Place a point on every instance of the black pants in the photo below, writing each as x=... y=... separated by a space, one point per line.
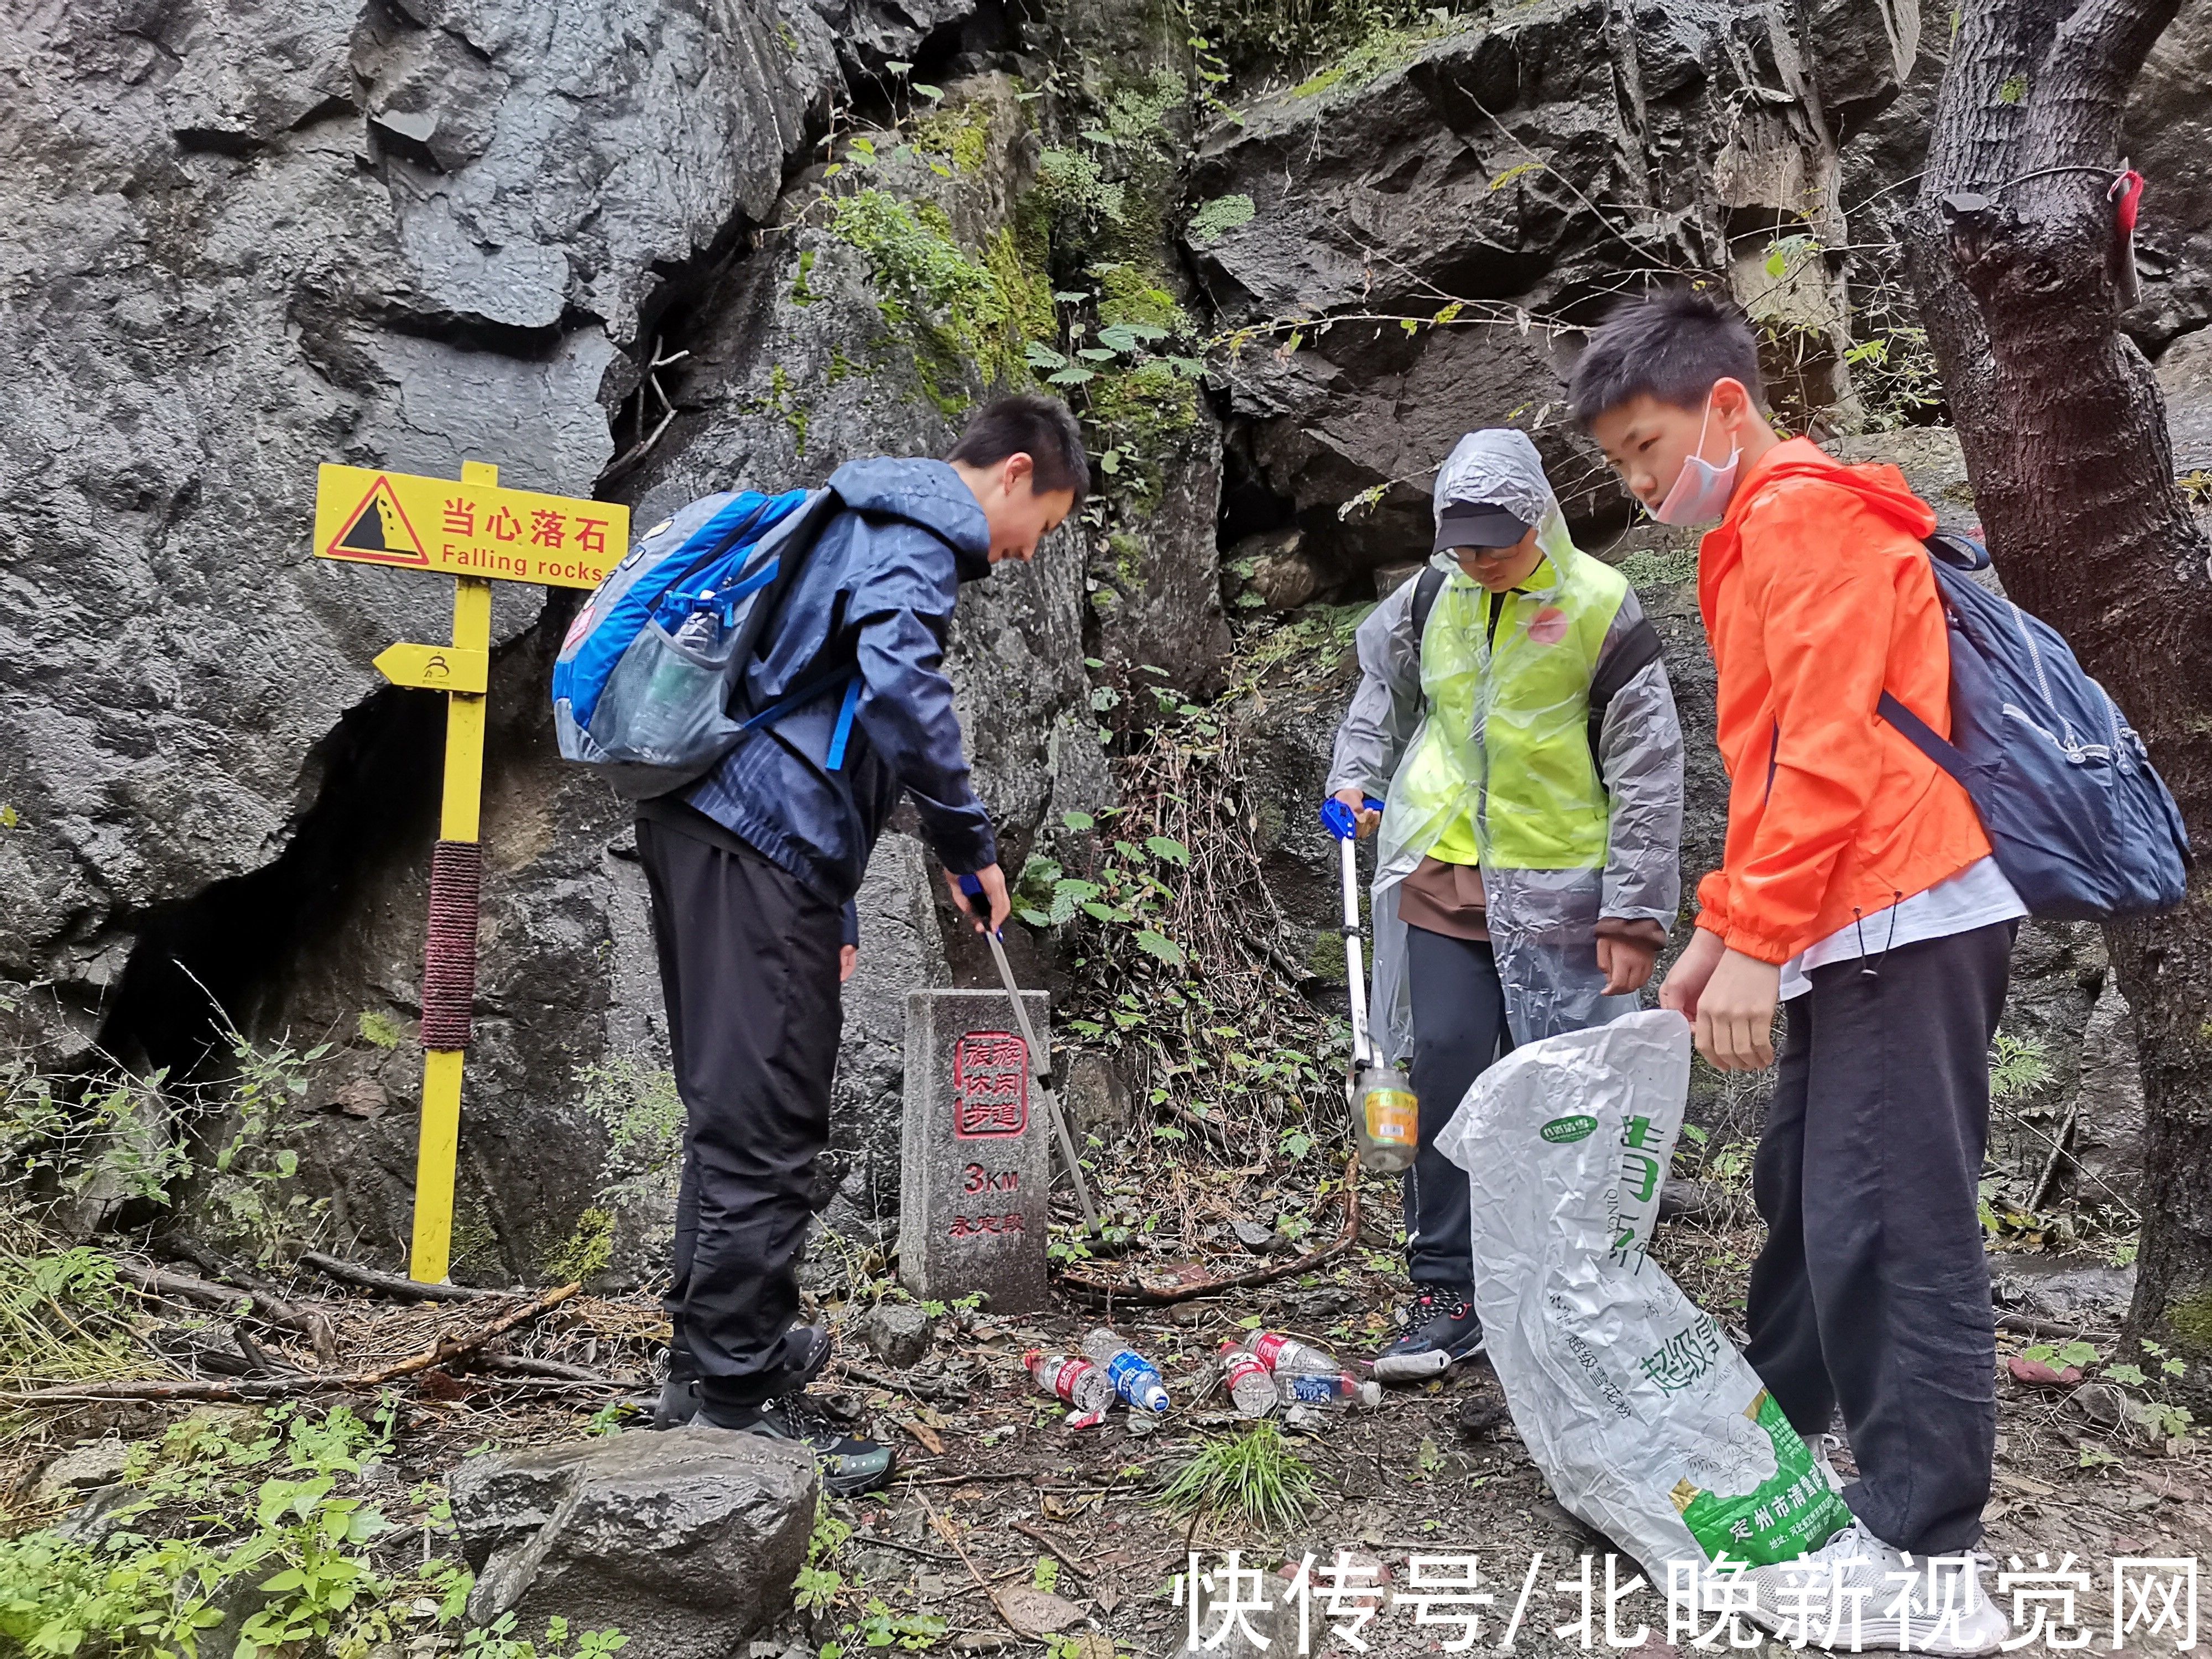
x=1873 y=1292
x=1459 y=1028
x=749 y=967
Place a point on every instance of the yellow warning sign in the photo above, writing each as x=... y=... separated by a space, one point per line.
x=466 y=529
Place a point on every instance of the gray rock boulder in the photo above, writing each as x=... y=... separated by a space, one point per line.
x=81 y=1468
x=247 y=241
x=1426 y=217
x=687 y=1541
x=897 y=1333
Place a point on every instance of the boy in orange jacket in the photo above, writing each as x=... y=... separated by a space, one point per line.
x=1857 y=889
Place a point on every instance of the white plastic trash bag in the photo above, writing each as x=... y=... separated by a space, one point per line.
x=1636 y=1407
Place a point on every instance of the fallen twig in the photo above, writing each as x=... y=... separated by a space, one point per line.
x=873 y=1541
x=368 y=1278
x=1052 y=1544
x=1203 y=1126
x=230 y=1299
x=524 y=1366
x=2029 y=1325
x=1137 y=1290
x=877 y=1380
x=444 y=1351
x=2058 y=1156
x=311 y=1323
x=951 y=1534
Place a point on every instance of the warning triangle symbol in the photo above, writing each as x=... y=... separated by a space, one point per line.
x=378 y=530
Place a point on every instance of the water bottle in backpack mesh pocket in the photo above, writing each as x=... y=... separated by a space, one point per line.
x=2082 y=823
x=644 y=686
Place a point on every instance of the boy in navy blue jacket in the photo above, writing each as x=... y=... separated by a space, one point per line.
x=753 y=872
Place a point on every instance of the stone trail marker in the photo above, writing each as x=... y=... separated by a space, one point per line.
x=477 y=533
x=976 y=1173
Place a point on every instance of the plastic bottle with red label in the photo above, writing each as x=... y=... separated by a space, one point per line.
x=1250 y=1383
x=1285 y=1356
x=1074 y=1379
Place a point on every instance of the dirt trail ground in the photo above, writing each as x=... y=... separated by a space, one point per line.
x=987 y=1461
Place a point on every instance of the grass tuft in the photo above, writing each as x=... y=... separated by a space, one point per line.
x=1254 y=1478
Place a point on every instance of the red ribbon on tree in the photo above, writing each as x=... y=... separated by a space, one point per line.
x=2126 y=195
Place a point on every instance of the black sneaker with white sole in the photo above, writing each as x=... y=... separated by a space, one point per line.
x=680 y=1396
x=1441 y=1329
x=848 y=1464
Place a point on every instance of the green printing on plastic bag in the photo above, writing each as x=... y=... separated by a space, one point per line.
x=1788 y=1514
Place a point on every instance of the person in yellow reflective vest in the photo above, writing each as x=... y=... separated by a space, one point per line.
x=1515 y=717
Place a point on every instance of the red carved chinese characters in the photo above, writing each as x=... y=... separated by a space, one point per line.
x=990 y=1085
x=975 y=1226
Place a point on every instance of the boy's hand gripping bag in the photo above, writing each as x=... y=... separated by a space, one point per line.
x=1632 y=1403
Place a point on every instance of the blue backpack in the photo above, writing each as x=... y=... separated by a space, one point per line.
x=2082 y=825
x=647 y=687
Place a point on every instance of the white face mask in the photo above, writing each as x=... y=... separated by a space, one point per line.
x=1701 y=491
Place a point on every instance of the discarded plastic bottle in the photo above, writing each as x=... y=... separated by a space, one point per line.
x=1249 y=1384
x=1334 y=1392
x=1134 y=1378
x=1285 y=1356
x=1072 y=1378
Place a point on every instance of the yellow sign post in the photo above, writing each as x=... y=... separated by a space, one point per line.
x=476 y=532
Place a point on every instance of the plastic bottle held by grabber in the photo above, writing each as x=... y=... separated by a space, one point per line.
x=1385 y=1115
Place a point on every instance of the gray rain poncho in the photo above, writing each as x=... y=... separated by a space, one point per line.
x=1465 y=729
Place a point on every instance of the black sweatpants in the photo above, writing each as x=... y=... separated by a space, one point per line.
x=1459 y=1028
x=749 y=967
x=1873 y=1294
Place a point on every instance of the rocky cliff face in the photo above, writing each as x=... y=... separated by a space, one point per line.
x=643 y=248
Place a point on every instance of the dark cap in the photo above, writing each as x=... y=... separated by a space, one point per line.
x=1478 y=524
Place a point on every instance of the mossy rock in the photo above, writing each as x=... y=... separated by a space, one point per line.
x=1328 y=959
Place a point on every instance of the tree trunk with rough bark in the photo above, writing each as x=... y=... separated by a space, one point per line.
x=2063 y=427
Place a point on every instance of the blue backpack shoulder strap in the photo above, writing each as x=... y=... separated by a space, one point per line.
x=1946 y=549
x=792 y=540
x=1923 y=737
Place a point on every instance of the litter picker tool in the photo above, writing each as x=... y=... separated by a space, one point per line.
x=1385 y=1118
x=1040 y=1060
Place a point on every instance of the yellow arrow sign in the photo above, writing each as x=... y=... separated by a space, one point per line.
x=436 y=667
x=466 y=529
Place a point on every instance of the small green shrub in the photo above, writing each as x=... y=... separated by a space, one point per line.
x=643 y=1115
x=1074 y=185
x=2018 y=1066
x=378 y=1028
x=1254 y=1478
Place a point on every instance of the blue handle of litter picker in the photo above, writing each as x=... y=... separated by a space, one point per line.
x=1336 y=818
x=973 y=889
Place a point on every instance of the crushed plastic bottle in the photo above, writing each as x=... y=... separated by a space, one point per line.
x=1134 y=1378
x=1249 y=1384
x=1330 y=1392
x=1285 y=1356
x=1072 y=1378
